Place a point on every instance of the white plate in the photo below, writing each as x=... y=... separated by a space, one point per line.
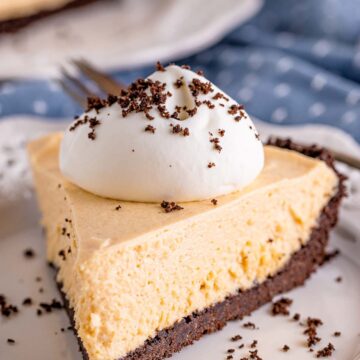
x=337 y=304
x=120 y=34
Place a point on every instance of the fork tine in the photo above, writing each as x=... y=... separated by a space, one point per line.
x=76 y=83
x=81 y=100
x=105 y=82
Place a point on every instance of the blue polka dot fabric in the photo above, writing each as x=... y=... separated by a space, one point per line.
x=295 y=62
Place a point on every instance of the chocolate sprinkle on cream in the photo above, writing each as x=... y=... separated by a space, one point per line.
x=179 y=82
x=214 y=202
x=93 y=123
x=254 y=344
x=150 y=129
x=95 y=103
x=170 y=206
x=219 y=96
x=216 y=143
x=177 y=129
x=198 y=87
x=160 y=67
x=211 y=165
x=118 y=208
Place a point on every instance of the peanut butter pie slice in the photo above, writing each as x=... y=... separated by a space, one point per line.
x=15 y=14
x=166 y=216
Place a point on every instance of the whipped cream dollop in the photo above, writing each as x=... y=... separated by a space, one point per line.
x=173 y=136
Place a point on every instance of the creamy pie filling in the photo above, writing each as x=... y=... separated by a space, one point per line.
x=131 y=272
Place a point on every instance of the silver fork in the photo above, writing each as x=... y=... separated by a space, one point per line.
x=79 y=90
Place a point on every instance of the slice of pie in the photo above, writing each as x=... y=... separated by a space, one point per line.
x=15 y=14
x=141 y=283
x=142 y=279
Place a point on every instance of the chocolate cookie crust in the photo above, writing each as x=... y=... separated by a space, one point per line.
x=13 y=25
x=297 y=270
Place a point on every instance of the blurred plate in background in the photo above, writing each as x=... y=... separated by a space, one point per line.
x=121 y=34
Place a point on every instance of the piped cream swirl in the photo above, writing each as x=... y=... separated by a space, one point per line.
x=208 y=145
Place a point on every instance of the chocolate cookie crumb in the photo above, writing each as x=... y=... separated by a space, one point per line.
x=327 y=351
x=311 y=331
x=281 y=307
x=249 y=325
x=296 y=317
x=285 y=348
x=211 y=165
x=331 y=255
x=7 y=309
x=214 y=202
x=49 y=307
x=170 y=206
x=236 y=338
x=62 y=254
x=27 y=302
x=29 y=253
x=118 y=208
x=339 y=279
x=337 y=333
x=230 y=351
x=253 y=354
